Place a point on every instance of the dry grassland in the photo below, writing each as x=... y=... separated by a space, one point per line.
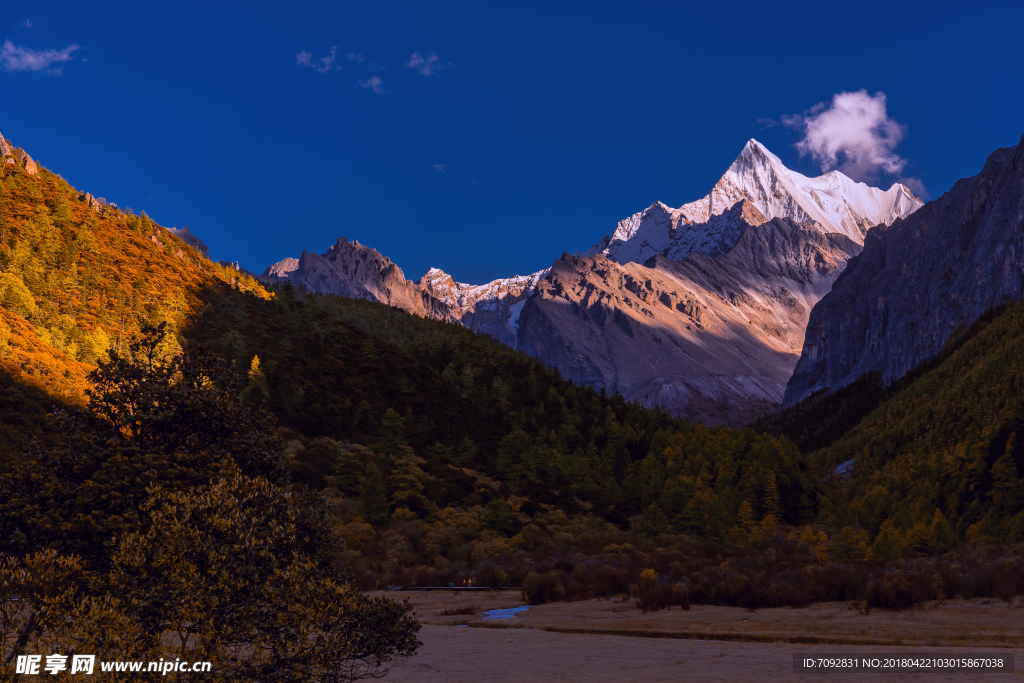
x=595 y=641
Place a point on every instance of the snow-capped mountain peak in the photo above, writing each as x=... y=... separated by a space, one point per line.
x=833 y=202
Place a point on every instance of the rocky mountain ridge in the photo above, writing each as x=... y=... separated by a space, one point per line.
x=712 y=225
x=920 y=280
x=360 y=272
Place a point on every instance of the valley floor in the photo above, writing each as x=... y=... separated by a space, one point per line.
x=540 y=645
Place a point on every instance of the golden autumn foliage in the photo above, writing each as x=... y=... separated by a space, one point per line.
x=76 y=281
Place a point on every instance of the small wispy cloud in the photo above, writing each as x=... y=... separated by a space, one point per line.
x=374 y=84
x=853 y=133
x=323 y=65
x=355 y=57
x=27 y=24
x=14 y=58
x=439 y=168
x=428 y=66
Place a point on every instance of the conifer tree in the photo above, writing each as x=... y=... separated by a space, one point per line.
x=943 y=538
x=888 y=545
x=654 y=521
x=746 y=515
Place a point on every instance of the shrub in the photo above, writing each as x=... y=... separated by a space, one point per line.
x=900 y=589
x=682 y=593
x=308 y=475
x=458 y=611
x=653 y=592
x=603 y=580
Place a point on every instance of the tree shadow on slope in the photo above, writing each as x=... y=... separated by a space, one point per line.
x=23 y=416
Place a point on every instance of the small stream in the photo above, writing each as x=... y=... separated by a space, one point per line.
x=506 y=613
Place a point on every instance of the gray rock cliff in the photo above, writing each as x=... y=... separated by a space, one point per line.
x=919 y=280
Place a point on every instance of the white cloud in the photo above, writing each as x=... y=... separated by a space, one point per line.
x=27 y=24
x=14 y=58
x=323 y=65
x=357 y=58
x=428 y=66
x=374 y=84
x=325 y=62
x=853 y=133
x=439 y=168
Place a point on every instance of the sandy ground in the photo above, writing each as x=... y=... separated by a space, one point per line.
x=704 y=644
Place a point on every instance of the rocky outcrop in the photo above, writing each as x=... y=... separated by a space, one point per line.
x=12 y=156
x=920 y=280
x=354 y=270
x=93 y=203
x=709 y=338
x=492 y=308
x=22 y=157
x=280 y=270
x=186 y=236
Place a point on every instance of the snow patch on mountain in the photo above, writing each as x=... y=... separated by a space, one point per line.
x=514 y=311
x=492 y=308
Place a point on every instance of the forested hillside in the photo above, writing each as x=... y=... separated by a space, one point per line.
x=947 y=444
x=78 y=278
x=458 y=419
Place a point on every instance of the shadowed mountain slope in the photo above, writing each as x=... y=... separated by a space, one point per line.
x=709 y=338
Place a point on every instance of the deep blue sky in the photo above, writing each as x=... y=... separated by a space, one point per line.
x=552 y=121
